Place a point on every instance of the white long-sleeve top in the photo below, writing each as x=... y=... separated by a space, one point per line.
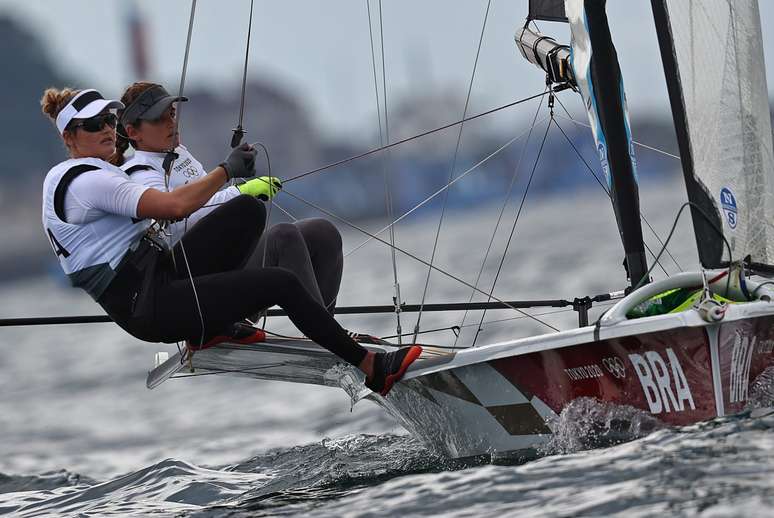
x=186 y=169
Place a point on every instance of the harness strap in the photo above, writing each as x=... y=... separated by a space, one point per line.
x=64 y=183
x=138 y=167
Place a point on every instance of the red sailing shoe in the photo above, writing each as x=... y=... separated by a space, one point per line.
x=239 y=333
x=389 y=368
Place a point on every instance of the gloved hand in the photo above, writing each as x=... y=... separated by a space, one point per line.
x=241 y=162
x=263 y=187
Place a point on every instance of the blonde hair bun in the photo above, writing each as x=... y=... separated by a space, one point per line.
x=54 y=100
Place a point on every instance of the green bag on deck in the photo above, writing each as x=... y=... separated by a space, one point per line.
x=672 y=301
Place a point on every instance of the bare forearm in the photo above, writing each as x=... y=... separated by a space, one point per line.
x=195 y=194
x=182 y=201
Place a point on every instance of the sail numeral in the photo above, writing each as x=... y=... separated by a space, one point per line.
x=58 y=248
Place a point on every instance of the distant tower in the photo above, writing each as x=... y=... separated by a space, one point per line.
x=137 y=41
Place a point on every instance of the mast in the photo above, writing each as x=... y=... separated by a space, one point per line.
x=597 y=74
x=591 y=67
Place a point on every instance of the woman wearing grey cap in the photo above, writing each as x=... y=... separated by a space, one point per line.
x=98 y=223
x=311 y=248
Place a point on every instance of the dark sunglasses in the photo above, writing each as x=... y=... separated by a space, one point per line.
x=96 y=123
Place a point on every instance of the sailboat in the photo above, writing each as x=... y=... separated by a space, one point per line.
x=693 y=363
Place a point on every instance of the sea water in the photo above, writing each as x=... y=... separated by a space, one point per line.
x=81 y=435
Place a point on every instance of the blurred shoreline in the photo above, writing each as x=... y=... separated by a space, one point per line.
x=354 y=191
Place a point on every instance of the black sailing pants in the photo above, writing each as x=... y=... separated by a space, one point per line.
x=216 y=249
x=310 y=248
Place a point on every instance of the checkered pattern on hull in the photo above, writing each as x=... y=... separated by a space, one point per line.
x=511 y=407
x=517 y=412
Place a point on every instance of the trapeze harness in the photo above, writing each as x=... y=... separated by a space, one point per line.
x=100 y=243
x=89 y=214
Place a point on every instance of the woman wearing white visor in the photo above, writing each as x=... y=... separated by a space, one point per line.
x=311 y=248
x=97 y=221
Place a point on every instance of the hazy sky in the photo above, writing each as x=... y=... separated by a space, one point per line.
x=320 y=50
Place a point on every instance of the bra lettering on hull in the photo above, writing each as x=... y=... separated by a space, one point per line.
x=663 y=381
x=741 y=359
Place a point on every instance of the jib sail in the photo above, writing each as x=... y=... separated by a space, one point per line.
x=712 y=52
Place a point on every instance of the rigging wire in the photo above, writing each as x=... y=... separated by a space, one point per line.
x=423 y=202
x=451 y=172
x=502 y=211
x=396 y=299
x=601 y=184
x=171 y=156
x=271 y=204
x=285 y=212
x=704 y=215
x=239 y=132
x=373 y=67
x=169 y=161
x=494 y=321
x=184 y=72
x=513 y=228
x=412 y=256
x=570 y=118
x=279 y=207
x=439 y=191
x=636 y=143
x=270 y=201
x=408 y=139
x=644 y=219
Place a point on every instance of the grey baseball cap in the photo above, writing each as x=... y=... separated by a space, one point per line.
x=149 y=105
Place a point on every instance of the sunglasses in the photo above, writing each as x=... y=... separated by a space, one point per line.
x=96 y=123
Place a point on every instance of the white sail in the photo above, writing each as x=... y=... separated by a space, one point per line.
x=718 y=50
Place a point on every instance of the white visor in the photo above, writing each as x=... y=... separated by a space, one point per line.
x=87 y=103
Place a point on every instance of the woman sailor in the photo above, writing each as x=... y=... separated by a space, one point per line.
x=97 y=221
x=310 y=248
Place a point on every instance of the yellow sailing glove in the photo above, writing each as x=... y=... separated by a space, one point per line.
x=263 y=187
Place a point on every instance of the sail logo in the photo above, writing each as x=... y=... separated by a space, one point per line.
x=728 y=203
x=602 y=150
x=741 y=359
x=633 y=158
x=666 y=388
